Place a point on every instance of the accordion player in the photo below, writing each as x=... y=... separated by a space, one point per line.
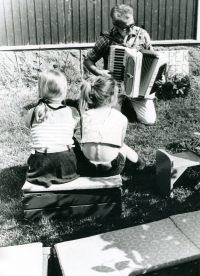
x=137 y=71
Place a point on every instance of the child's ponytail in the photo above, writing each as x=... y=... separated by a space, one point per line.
x=97 y=93
x=85 y=99
x=41 y=112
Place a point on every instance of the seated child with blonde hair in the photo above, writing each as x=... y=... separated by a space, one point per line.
x=52 y=125
x=104 y=129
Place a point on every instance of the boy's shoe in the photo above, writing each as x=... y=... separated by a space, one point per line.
x=141 y=164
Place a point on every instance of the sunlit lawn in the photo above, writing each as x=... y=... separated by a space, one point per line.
x=178 y=119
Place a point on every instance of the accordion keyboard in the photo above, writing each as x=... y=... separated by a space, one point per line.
x=115 y=62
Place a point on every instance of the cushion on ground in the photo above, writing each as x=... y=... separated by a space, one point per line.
x=189 y=224
x=131 y=251
x=78 y=184
x=23 y=260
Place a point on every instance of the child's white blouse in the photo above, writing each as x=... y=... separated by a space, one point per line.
x=56 y=130
x=103 y=130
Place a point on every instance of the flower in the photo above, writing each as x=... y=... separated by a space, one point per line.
x=175 y=86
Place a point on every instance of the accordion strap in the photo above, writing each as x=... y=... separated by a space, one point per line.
x=114 y=39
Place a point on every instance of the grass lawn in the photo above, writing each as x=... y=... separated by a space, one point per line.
x=177 y=119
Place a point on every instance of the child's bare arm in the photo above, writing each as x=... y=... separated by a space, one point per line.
x=28 y=118
x=77 y=118
x=125 y=123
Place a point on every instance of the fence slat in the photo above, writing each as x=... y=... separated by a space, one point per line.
x=189 y=19
x=161 y=18
x=61 y=21
x=183 y=12
x=119 y=2
x=68 y=21
x=83 y=21
x=9 y=22
x=75 y=20
x=175 y=19
x=91 y=21
x=135 y=10
x=17 y=22
x=39 y=22
x=46 y=21
x=105 y=15
x=112 y=3
x=141 y=13
x=196 y=20
x=3 y=35
x=148 y=15
x=31 y=22
x=128 y=2
x=24 y=22
x=154 y=28
x=97 y=12
x=168 y=25
x=54 y=21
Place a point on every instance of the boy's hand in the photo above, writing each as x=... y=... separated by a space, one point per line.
x=105 y=73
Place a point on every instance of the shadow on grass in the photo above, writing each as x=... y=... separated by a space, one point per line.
x=143 y=203
x=11 y=181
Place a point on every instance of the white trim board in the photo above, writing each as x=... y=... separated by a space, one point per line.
x=81 y=46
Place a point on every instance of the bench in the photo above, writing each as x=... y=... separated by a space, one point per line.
x=167 y=247
x=83 y=197
x=169 y=167
x=27 y=259
x=157 y=248
x=189 y=224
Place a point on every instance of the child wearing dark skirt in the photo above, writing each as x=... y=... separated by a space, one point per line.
x=52 y=125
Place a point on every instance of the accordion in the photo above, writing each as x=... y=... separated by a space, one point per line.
x=137 y=71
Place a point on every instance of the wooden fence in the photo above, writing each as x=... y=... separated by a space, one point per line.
x=44 y=22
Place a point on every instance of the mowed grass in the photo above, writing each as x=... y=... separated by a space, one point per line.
x=177 y=120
